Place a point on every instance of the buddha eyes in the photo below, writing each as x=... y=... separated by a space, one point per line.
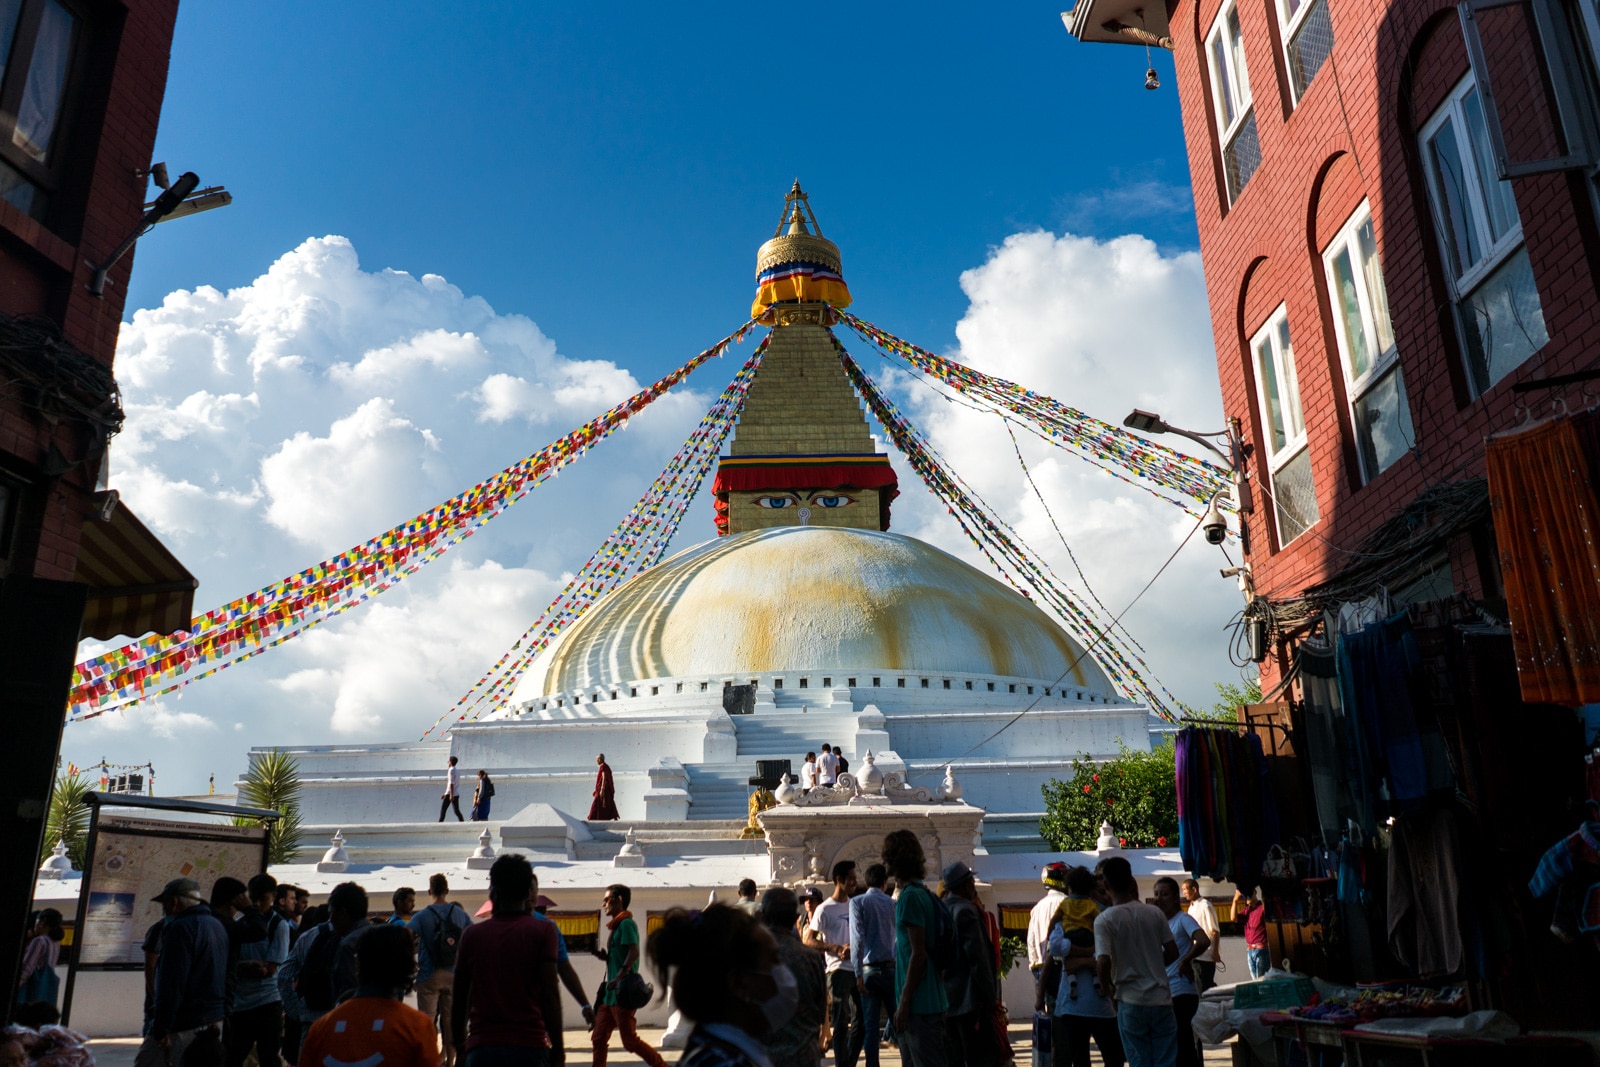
x=821 y=500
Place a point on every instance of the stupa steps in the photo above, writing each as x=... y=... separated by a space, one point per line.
x=791 y=735
x=720 y=792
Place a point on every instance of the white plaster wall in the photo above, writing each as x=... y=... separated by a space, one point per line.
x=351 y=802
x=1044 y=733
x=629 y=744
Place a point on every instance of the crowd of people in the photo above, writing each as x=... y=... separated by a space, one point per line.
x=825 y=769
x=774 y=979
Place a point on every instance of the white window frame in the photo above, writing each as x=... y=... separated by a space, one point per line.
x=1235 y=81
x=1357 y=385
x=1452 y=111
x=1288 y=383
x=1287 y=26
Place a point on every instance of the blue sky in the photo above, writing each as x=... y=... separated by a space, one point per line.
x=573 y=198
x=611 y=168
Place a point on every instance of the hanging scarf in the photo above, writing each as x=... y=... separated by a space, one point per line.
x=613 y=923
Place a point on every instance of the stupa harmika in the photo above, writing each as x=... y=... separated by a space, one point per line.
x=843 y=632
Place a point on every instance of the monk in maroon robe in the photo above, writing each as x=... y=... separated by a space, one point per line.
x=605 y=793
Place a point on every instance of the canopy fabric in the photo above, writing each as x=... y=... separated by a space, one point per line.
x=135 y=584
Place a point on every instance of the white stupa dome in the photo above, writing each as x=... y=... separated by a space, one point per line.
x=803 y=598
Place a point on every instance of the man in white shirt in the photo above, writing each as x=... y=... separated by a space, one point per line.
x=1054 y=877
x=827 y=767
x=1205 y=916
x=452 y=792
x=808 y=773
x=1133 y=946
x=829 y=933
x=1191 y=942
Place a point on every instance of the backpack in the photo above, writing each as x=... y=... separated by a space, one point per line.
x=446 y=938
x=943 y=950
x=488 y=787
x=314 y=983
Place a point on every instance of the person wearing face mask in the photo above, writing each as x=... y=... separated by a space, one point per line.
x=796 y=1042
x=726 y=976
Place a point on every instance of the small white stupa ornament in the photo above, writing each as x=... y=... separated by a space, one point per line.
x=1107 y=841
x=483 y=856
x=58 y=865
x=787 y=792
x=630 y=855
x=871 y=778
x=336 y=859
x=950 y=788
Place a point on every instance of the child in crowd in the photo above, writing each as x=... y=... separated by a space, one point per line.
x=1076 y=916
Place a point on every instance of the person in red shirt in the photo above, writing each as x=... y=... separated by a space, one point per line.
x=507 y=1005
x=374 y=1026
x=1252 y=914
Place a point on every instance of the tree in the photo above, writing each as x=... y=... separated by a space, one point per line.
x=1230 y=696
x=1136 y=792
x=68 y=818
x=273 y=781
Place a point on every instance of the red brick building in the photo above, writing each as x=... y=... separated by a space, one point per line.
x=80 y=94
x=1397 y=216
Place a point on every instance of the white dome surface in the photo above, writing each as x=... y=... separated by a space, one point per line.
x=804 y=598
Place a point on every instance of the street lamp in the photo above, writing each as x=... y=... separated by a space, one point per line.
x=177 y=200
x=1151 y=423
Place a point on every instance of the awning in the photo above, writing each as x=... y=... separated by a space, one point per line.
x=135 y=584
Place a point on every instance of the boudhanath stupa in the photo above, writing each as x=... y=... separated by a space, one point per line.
x=804 y=621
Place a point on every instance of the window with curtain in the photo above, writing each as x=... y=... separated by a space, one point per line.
x=1307 y=33
x=1498 y=313
x=1379 y=413
x=1283 y=427
x=39 y=43
x=1230 y=96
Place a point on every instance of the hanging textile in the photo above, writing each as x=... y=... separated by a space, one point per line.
x=1227 y=814
x=1542 y=497
x=1323 y=737
x=1425 y=866
x=1376 y=665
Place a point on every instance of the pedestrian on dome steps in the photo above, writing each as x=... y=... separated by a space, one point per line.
x=808 y=773
x=437 y=929
x=257 y=1020
x=604 y=807
x=795 y=1043
x=726 y=976
x=1133 y=947
x=921 y=1003
x=1201 y=911
x=506 y=1007
x=374 y=1026
x=321 y=970
x=191 y=978
x=872 y=951
x=622 y=957
x=971 y=986
x=829 y=933
x=827 y=767
x=451 y=797
x=482 y=794
x=1192 y=943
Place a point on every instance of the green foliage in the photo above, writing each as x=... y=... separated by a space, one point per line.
x=1011 y=950
x=67 y=819
x=1136 y=791
x=1231 y=696
x=273 y=781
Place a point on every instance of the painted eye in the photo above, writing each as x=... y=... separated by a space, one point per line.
x=775 y=501
x=833 y=500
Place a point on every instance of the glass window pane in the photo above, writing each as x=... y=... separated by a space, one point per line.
x=1267 y=380
x=1241 y=156
x=1498 y=202
x=1358 y=348
x=1377 y=293
x=10 y=15
x=1226 y=108
x=1383 y=424
x=1291 y=381
x=20 y=192
x=1294 y=497
x=1310 y=47
x=1461 y=237
x=1502 y=322
x=1241 y=74
x=47 y=82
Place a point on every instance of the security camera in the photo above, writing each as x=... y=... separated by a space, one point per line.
x=1214 y=525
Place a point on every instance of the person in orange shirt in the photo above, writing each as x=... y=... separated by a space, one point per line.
x=374 y=1026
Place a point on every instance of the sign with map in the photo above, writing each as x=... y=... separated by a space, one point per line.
x=129 y=862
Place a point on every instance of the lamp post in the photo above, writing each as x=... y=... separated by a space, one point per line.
x=1149 y=422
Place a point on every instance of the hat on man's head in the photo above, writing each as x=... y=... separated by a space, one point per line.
x=957 y=873
x=1054 y=876
x=179 y=889
x=811 y=893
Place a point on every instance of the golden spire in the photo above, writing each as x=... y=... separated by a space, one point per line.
x=798 y=265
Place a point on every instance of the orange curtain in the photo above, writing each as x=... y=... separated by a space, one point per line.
x=1545 y=521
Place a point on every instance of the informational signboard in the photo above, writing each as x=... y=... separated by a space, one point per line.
x=131 y=859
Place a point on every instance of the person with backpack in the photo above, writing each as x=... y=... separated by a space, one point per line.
x=257 y=1020
x=481 y=795
x=438 y=929
x=970 y=986
x=322 y=968
x=506 y=1007
x=924 y=947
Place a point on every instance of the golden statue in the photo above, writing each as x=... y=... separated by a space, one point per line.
x=760 y=801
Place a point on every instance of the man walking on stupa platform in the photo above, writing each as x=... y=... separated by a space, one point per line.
x=604 y=808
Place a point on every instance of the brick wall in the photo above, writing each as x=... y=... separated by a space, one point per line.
x=1351 y=137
